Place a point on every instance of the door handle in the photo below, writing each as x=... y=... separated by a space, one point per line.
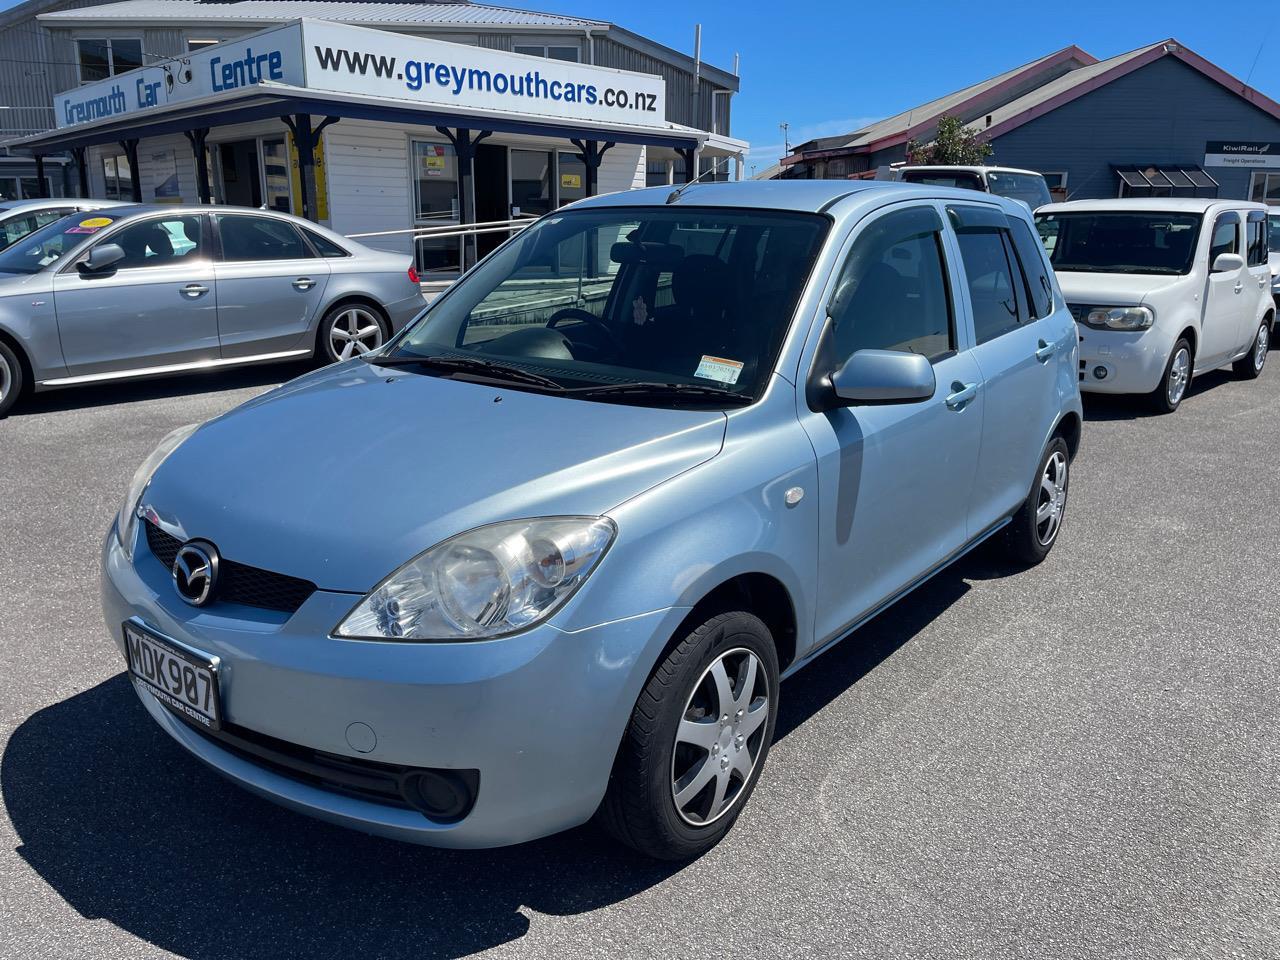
x=194 y=290
x=961 y=394
x=1045 y=351
x=303 y=283
x=1239 y=285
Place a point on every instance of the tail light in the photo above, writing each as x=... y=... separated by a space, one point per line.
x=413 y=275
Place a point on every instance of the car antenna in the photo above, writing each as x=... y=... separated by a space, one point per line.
x=675 y=194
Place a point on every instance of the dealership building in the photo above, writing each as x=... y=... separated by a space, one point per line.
x=375 y=117
x=1157 y=121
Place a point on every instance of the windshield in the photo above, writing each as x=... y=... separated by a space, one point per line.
x=1030 y=188
x=964 y=179
x=1120 y=242
x=599 y=299
x=37 y=250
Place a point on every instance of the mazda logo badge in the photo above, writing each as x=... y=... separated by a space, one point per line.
x=195 y=572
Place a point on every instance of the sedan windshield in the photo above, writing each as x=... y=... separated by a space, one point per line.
x=1120 y=242
x=37 y=250
x=665 y=305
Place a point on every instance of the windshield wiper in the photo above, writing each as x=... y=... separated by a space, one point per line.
x=662 y=391
x=481 y=366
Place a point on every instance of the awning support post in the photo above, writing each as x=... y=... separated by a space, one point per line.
x=83 y=167
x=197 y=138
x=135 y=175
x=591 y=152
x=690 y=156
x=41 y=186
x=464 y=145
x=305 y=139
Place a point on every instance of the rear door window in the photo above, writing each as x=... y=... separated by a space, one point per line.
x=249 y=238
x=1226 y=236
x=997 y=287
x=1031 y=256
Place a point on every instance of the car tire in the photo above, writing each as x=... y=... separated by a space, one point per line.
x=676 y=789
x=1249 y=367
x=12 y=378
x=351 y=329
x=1167 y=397
x=1038 y=522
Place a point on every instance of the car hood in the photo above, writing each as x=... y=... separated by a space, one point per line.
x=347 y=473
x=1114 y=289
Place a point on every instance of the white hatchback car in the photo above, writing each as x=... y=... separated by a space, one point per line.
x=1162 y=289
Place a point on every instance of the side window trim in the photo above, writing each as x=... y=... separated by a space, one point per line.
x=1231 y=217
x=970 y=217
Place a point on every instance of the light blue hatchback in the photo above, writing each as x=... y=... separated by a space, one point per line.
x=651 y=456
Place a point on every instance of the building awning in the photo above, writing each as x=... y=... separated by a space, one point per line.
x=1166 y=179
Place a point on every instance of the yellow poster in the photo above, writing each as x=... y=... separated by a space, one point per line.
x=570 y=181
x=322 y=185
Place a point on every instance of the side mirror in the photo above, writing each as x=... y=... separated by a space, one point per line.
x=884 y=376
x=1227 y=263
x=102 y=257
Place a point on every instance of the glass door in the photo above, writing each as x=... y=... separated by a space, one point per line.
x=275 y=174
x=436 y=204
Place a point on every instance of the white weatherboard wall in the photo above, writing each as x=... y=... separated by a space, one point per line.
x=368 y=175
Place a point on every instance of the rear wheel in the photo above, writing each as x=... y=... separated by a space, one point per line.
x=697 y=740
x=1167 y=397
x=350 y=330
x=1035 y=526
x=1250 y=365
x=11 y=378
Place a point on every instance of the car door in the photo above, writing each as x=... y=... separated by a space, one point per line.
x=894 y=479
x=156 y=307
x=1224 y=299
x=1257 y=263
x=1014 y=349
x=270 y=285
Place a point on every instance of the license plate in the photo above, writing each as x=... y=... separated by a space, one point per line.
x=183 y=681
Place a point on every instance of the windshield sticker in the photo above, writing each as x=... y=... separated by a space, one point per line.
x=717 y=368
x=640 y=311
x=82 y=229
x=96 y=222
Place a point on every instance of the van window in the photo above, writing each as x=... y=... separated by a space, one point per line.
x=1255 y=236
x=1226 y=236
x=1031 y=256
x=1120 y=241
x=963 y=179
x=893 y=292
x=1030 y=188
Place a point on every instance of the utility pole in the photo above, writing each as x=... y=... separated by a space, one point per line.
x=786 y=143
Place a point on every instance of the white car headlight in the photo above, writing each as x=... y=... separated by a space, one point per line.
x=488 y=582
x=1121 y=318
x=127 y=518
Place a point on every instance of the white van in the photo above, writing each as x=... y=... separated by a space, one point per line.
x=1162 y=289
x=1025 y=185
x=1273 y=247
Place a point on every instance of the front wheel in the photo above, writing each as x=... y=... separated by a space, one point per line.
x=350 y=330
x=1036 y=525
x=1250 y=365
x=1167 y=397
x=697 y=740
x=10 y=378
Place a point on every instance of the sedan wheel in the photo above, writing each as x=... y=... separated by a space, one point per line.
x=1179 y=375
x=353 y=331
x=1052 y=502
x=719 y=738
x=10 y=378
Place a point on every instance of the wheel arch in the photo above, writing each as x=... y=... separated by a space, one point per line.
x=761 y=594
x=1070 y=426
x=345 y=300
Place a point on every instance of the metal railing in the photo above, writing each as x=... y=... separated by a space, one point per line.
x=453 y=229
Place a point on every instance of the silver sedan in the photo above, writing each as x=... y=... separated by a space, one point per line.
x=18 y=218
x=144 y=290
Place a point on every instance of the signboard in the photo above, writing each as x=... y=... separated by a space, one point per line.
x=340 y=58
x=348 y=59
x=272 y=56
x=1242 y=153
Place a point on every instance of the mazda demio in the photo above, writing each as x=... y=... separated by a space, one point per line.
x=546 y=555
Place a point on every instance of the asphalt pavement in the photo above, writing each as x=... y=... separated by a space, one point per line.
x=1081 y=760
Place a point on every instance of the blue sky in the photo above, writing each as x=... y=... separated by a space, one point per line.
x=829 y=67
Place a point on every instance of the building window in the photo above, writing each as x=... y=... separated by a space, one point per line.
x=549 y=52
x=435 y=191
x=193 y=44
x=116 y=173
x=1265 y=188
x=100 y=59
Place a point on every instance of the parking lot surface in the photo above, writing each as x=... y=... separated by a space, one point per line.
x=1081 y=760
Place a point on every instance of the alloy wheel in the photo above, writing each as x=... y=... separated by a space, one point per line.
x=1261 y=346
x=353 y=332
x=720 y=737
x=1052 y=503
x=1179 y=374
x=6 y=378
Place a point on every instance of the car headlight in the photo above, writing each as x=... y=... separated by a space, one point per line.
x=1121 y=318
x=127 y=518
x=489 y=582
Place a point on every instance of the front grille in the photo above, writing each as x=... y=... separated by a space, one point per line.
x=239 y=582
x=389 y=784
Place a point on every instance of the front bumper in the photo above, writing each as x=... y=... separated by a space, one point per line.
x=539 y=715
x=1120 y=361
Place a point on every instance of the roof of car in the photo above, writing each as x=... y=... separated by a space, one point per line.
x=811 y=196
x=15 y=206
x=974 y=168
x=1158 y=204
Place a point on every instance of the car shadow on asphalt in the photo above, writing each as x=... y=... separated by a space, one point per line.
x=128 y=828
x=157 y=388
x=1117 y=406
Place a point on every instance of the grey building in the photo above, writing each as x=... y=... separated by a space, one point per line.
x=1156 y=121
